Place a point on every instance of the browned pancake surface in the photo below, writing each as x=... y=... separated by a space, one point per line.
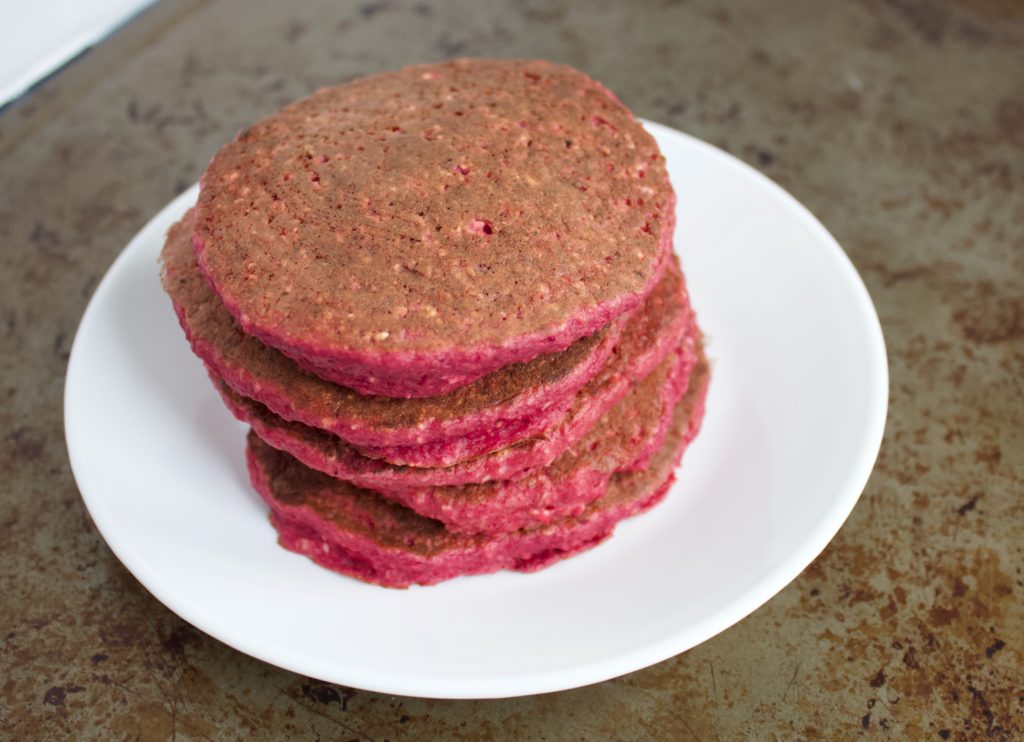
x=462 y=204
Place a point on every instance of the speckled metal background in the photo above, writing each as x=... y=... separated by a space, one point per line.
x=900 y=123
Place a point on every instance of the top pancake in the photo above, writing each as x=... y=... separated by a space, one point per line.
x=407 y=233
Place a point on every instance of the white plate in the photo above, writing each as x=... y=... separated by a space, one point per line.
x=794 y=420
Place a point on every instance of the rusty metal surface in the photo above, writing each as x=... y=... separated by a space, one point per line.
x=900 y=123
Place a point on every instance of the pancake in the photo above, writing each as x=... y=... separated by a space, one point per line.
x=637 y=355
x=358 y=533
x=496 y=411
x=515 y=402
x=408 y=233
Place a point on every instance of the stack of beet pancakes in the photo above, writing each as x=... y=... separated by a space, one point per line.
x=446 y=302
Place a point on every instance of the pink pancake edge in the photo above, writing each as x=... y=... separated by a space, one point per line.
x=326 y=453
x=410 y=374
x=546 y=497
x=302 y=530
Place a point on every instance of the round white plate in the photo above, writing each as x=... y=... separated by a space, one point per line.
x=794 y=419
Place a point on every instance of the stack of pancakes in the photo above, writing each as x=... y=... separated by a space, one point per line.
x=445 y=301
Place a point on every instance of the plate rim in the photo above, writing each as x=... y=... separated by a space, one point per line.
x=526 y=683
